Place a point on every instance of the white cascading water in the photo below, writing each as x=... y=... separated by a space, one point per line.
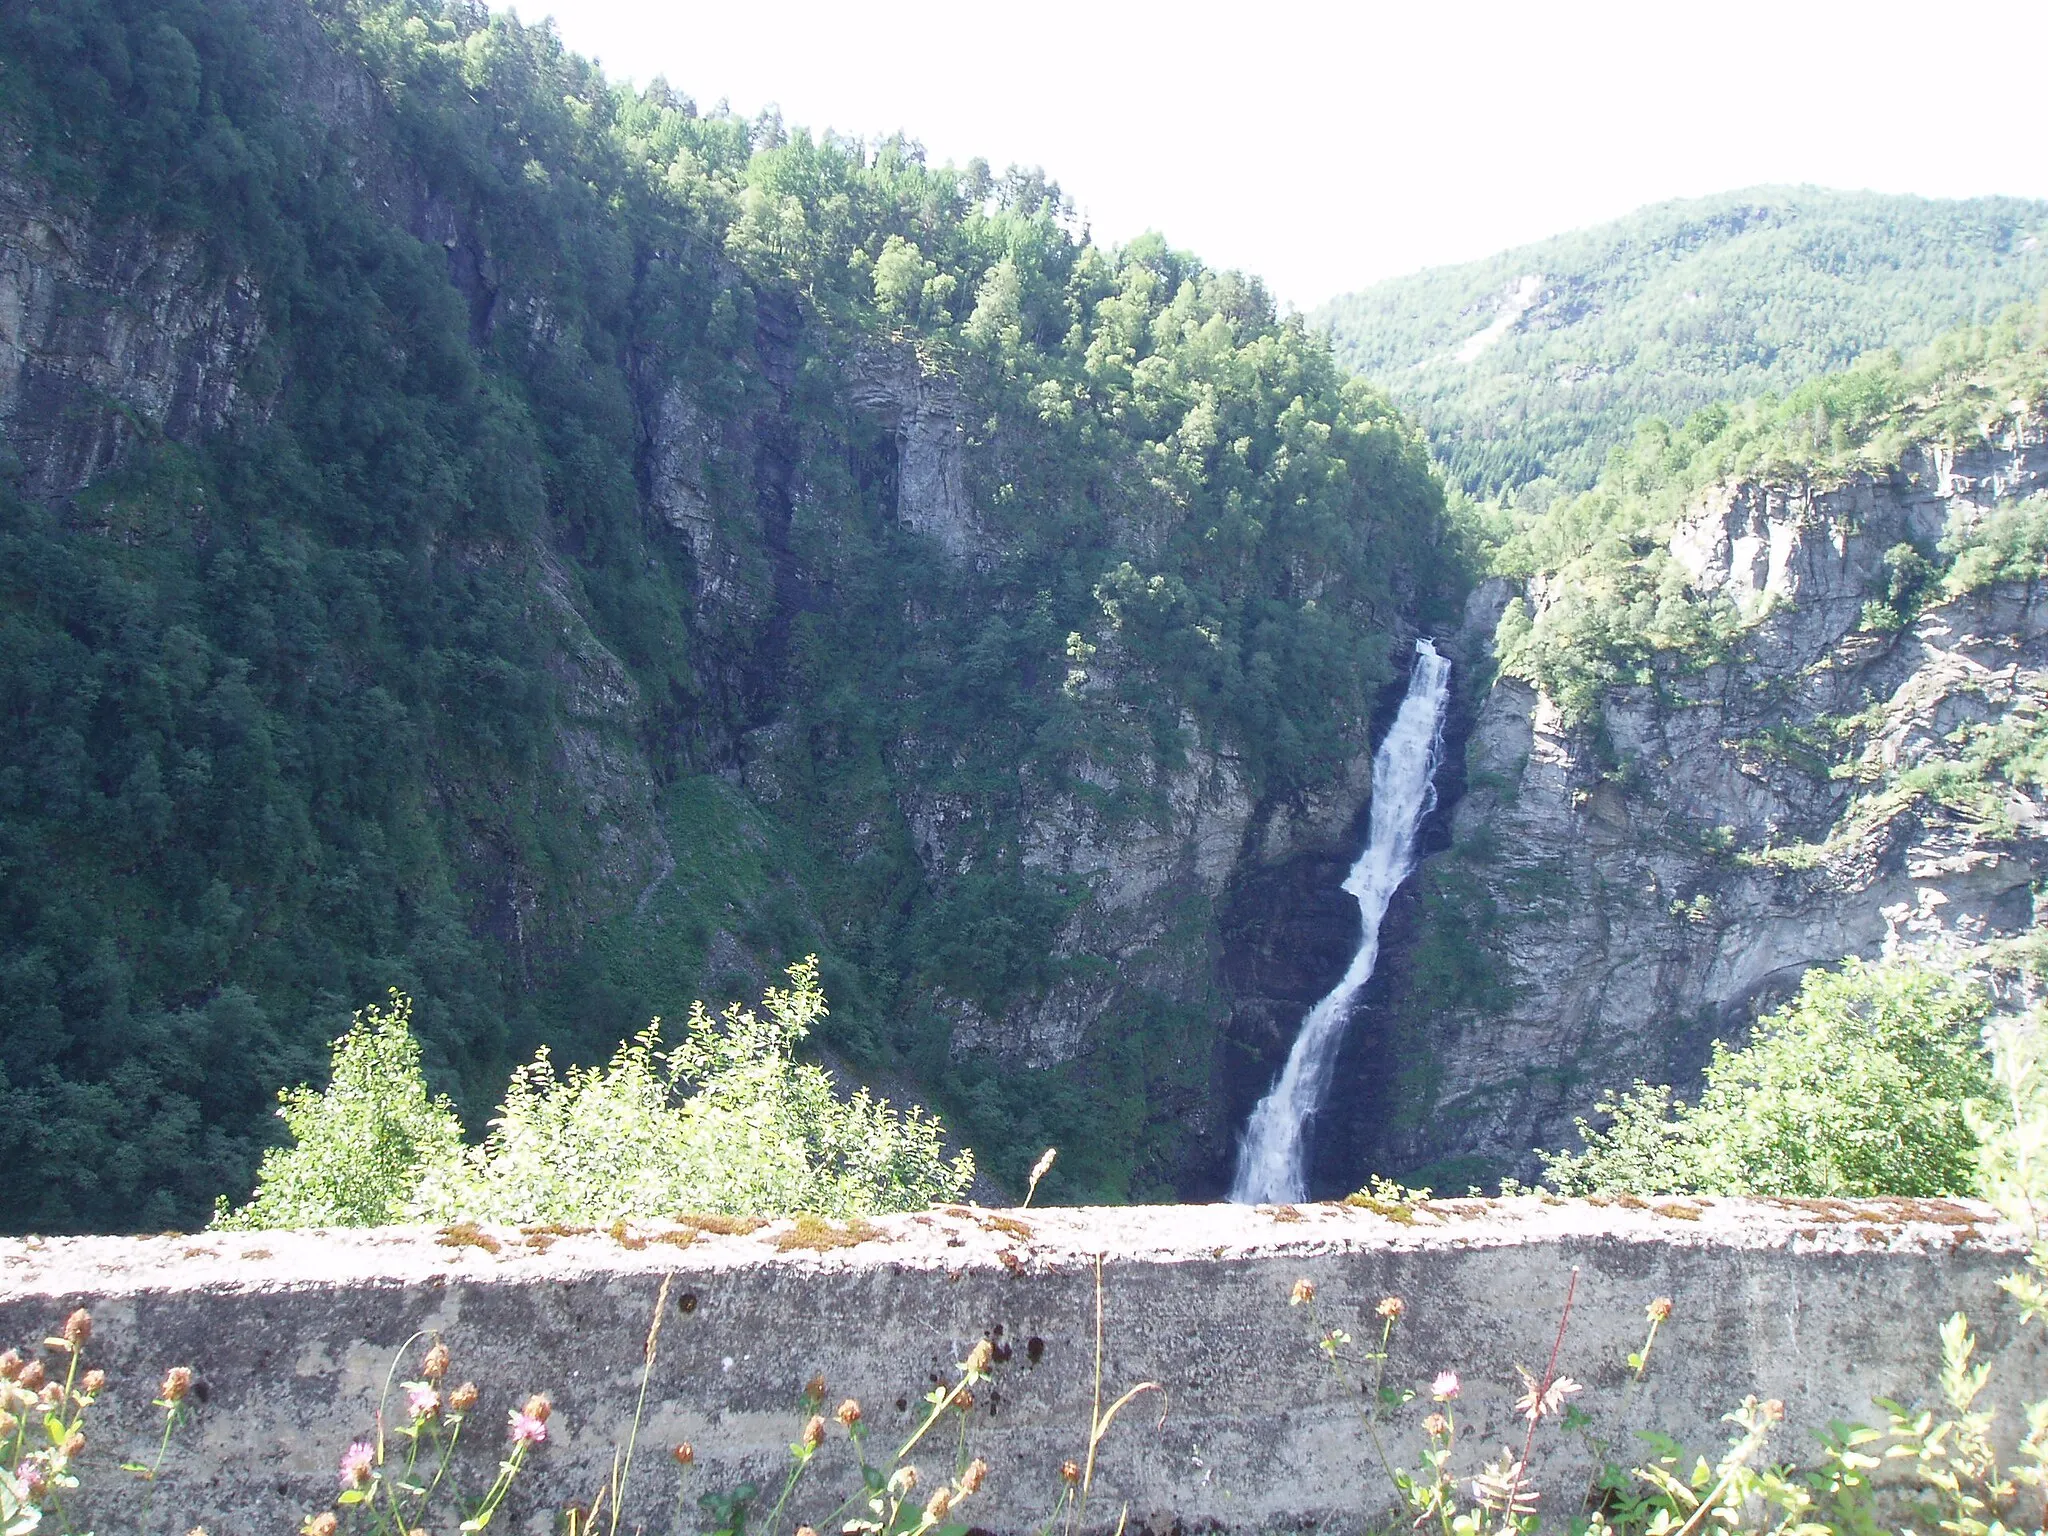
x=1271 y=1156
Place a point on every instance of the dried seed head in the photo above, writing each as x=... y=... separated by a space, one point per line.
x=1304 y=1292
x=971 y=1480
x=74 y=1445
x=814 y=1432
x=814 y=1389
x=963 y=1400
x=848 y=1413
x=1659 y=1311
x=936 y=1506
x=78 y=1327
x=323 y=1524
x=177 y=1382
x=31 y=1376
x=1391 y=1307
x=52 y=1396
x=806 y=1530
x=463 y=1398
x=685 y=1454
x=981 y=1357
x=1069 y=1473
x=538 y=1408
x=903 y=1479
x=1774 y=1410
x=95 y=1382
x=1436 y=1426
x=435 y=1364
x=10 y=1365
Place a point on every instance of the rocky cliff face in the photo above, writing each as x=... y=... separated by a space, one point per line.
x=109 y=336
x=1615 y=897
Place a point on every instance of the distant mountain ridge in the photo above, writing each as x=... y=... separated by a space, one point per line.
x=1527 y=367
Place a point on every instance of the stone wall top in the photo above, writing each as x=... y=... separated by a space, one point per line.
x=1824 y=1304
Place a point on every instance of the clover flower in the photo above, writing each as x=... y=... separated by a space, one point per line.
x=463 y=1398
x=1659 y=1311
x=356 y=1463
x=1304 y=1292
x=177 y=1382
x=1446 y=1386
x=814 y=1432
x=422 y=1401
x=525 y=1427
x=848 y=1412
x=1391 y=1308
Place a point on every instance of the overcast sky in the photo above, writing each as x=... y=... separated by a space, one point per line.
x=1326 y=145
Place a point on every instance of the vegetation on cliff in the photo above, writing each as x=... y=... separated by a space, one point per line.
x=1616 y=606
x=1670 y=309
x=320 y=705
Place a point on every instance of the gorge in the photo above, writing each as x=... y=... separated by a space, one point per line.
x=474 y=529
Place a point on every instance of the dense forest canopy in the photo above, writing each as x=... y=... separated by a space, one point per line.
x=1529 y=366
x=286 y=704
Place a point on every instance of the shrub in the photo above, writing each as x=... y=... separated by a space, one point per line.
x=360 y=1148
x=1863 y=1084
x=726 y=1121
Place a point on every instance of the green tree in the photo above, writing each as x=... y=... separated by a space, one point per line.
x=1864 y=1084
x=361 y=1146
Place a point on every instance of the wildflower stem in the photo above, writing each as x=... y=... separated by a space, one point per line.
x=1549 y=1375
x=624 y=1472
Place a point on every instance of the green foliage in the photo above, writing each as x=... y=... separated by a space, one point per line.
x=361 y=1146
x=298 y=712
x=2008 y=544
x=1617 y=609
x=1863 y=1084
x=1674 y=308
x=726 y=1121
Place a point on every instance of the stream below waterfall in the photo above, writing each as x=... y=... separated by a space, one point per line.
x=1272 y=1155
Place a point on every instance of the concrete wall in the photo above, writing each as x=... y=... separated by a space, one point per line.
x=292 y=1336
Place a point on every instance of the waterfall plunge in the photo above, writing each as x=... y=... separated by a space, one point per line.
x=1271 y=1164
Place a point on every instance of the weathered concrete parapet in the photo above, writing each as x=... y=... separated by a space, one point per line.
x=1824 y=1305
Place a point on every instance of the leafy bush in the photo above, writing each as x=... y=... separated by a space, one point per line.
x=2009 y=544
x=1863 y=1084
x=359 y=1147
x=727 y=1121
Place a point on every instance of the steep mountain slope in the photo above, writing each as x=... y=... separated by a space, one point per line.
x=1531 y=365
x=1770 y=695
x=473 y=529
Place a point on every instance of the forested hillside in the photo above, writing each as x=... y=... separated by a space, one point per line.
x=474 y=529
x=1528 y=367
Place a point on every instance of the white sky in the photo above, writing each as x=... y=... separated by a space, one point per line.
x=1325 y=146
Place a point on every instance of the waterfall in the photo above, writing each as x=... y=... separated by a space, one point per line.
x=1271 y=1161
